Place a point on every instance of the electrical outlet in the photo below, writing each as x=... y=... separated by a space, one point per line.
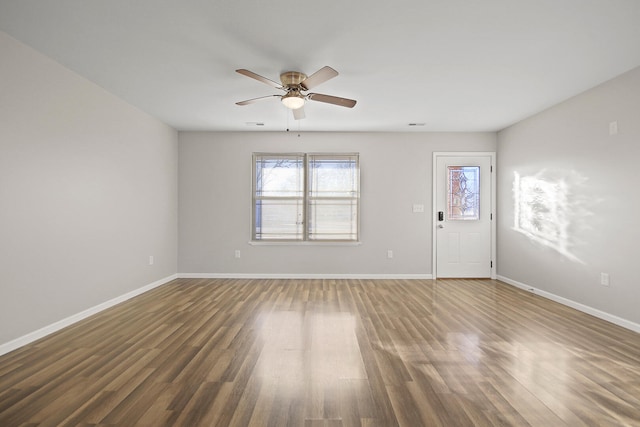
x=613 y=128
x=151 y=260
x=389 y=254
x=237 y=253
x=604 y=279
x=418 y=208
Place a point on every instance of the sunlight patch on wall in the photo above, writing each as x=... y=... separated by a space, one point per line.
x=545 y=212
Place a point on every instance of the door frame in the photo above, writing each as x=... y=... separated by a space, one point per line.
x=434 y=246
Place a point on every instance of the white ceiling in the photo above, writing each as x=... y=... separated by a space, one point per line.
x=454 y=65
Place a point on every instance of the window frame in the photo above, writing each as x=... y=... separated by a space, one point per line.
x=306 y=199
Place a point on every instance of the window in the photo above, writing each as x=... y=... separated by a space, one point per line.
x=463 y=193
x=305 y=197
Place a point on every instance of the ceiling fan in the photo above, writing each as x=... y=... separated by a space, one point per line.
x=295 y=83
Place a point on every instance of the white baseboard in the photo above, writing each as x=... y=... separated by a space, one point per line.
x=54 y=327
x=576 y=305
x=301 y=276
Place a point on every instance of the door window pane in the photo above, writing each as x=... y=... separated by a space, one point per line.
x=463 y=193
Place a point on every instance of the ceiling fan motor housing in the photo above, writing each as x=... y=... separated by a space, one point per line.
x=292 y=78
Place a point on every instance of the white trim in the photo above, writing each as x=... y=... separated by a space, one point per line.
x=303 y=243
x=301 y=276
x=54 y=327
x=576 y=305
x=494 y=240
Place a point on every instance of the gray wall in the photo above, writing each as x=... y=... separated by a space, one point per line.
x=215 y=202
x=88 y=190
x=568 y=151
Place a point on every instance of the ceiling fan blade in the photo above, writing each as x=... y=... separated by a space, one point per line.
x=322 y=75
x=298 y=113
x=343 y=102
x=251 y=101
x=259 y=78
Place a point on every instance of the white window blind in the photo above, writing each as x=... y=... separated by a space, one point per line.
x=306 y=197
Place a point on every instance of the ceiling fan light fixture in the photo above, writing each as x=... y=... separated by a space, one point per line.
x=293 y=100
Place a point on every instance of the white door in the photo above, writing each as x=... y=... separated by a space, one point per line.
x=463 y=215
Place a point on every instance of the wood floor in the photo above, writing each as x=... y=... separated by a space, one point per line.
x=334 y=353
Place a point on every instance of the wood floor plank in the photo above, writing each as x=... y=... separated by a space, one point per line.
x=353 y=352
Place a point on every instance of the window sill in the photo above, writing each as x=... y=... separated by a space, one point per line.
x=292 y=243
